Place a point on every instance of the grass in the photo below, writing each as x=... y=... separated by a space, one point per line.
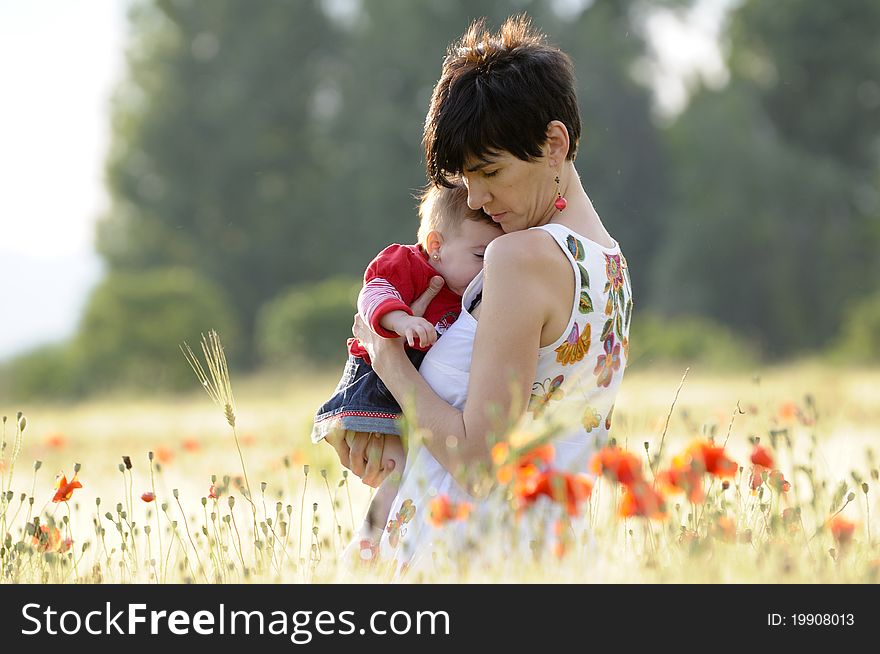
x=821 y=423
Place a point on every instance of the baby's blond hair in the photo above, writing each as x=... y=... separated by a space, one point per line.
x=444 y=210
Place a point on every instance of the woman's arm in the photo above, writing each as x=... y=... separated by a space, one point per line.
x=514 y=310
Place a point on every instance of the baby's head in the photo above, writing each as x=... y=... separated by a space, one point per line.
x=454 y=235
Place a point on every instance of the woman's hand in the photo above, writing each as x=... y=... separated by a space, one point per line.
x=382 y=351
x=363 y=454
x=366 y=453
x=421 y=304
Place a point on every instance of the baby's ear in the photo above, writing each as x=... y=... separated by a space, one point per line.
x=433 y=242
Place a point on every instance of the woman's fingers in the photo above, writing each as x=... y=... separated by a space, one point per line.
x=357 y=326
x=358 y=452
x=338 y=441
x=375 y=446
x=421 y=303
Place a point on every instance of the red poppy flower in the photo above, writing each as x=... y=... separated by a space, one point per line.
x=842 y=530
x=687 y=537
x=214 y=492
x=149 y=496
x=642 y=500
x=761 y=457
x=756 y=478
x=683 y=478
x=164 y=454
x=442 y=510
x=788 y=412
x=617 y=464
x=65 y=488
x=712 y=458
x=47 y=540
x=563 y=541
x=777 y=481
x=56 y=441
x=527 y=465
x=564 y=488
x=191 y=444
x=540 y=454
x=724 y=529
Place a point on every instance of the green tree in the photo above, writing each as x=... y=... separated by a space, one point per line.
x=773 y=225
x=134 y=324
x=212 y=165
x=815 y=67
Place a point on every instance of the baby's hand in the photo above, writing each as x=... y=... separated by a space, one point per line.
x=414 y=327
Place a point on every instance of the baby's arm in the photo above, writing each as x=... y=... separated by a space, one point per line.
x=391 y=282
x=410 y=327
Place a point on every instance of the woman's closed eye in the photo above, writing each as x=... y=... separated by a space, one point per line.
x=490 y=173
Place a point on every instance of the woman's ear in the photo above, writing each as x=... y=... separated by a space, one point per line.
x=557 y=145
x=433 y=243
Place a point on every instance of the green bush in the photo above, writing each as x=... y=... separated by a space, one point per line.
x=47 y=372
x=308 y=323
x=687 y=340
x=134 y=322
x=859 y=339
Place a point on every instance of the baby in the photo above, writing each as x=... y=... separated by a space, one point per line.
x=452 y=241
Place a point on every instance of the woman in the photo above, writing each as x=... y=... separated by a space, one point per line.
x=545 y=325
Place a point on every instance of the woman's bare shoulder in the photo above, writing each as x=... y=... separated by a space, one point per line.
x=531 y=247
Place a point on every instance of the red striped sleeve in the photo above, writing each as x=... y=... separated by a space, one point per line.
x=377 y=298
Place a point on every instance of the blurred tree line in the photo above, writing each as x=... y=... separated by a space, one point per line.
x=260 y=148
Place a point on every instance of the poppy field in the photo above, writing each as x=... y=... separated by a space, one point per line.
x=758 y=477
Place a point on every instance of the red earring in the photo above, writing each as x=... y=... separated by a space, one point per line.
x=560 y=202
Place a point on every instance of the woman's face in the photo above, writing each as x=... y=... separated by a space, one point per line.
x=517 y=194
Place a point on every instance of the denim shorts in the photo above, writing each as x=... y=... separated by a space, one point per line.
x=361 y=402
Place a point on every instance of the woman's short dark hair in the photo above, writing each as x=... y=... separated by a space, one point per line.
x=498 y=92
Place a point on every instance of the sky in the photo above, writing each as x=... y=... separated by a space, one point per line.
x=59 y=63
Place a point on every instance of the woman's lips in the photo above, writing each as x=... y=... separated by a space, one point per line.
x=497 y=216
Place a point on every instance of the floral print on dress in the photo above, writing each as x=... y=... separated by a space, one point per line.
x=585 y=302
x=608 y=418
x=591 y=419
x=618 y=306
x=395 y=527
x=608 y=363
x=575 y=346
x=614 y=272
x=545 y=392
x=618 y=309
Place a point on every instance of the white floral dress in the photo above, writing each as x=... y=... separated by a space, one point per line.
x=576 y=384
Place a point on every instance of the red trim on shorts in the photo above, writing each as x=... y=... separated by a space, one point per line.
x=363 y=414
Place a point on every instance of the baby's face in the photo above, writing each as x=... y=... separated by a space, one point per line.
x=461 y=255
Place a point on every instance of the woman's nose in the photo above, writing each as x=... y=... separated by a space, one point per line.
x=478 y=196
